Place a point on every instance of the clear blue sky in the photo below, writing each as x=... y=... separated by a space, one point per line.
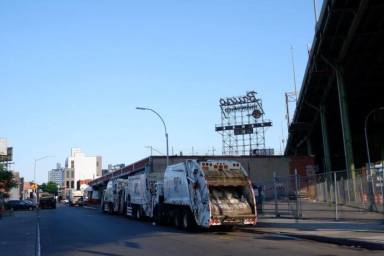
x=72 y=72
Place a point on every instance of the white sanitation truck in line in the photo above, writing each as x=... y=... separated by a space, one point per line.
x=204 y=194
x=76 y=198
x=140 y=196
x=113 y=200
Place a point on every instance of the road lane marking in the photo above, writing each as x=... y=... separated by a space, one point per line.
x=38 y=247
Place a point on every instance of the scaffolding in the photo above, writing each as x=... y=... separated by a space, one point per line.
x=243 y=126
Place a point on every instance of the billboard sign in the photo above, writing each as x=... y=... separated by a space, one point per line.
x=248 y=102
x=3 y=147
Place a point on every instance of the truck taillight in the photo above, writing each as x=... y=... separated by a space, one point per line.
x=214 y=221
x=249 y=221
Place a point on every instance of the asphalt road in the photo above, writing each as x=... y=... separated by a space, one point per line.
x=80 y=231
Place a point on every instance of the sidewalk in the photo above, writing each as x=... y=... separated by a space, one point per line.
x=368 y=234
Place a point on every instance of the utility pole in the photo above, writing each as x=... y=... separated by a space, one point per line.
x=294 y=73
x=315 y=11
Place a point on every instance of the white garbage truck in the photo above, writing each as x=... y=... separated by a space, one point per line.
x=76 y=198
x=205 y=194
x=113 y=200
x=140 y=195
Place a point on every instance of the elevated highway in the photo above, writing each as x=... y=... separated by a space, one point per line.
x=342 y=86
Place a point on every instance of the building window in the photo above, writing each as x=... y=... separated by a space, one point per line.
x=72 y=184
x=72 y=164
x=72 y=174
x=67 y=184
x=67 y=174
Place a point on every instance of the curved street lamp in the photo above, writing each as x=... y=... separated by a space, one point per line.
x=165 y=128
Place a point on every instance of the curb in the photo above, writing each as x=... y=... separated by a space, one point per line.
x=340 y=241
x=325 y=239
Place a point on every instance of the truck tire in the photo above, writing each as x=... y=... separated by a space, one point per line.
x=158 y=215
x=176 y=218
x=187 y=221
x=138 y=213
x=103 y=208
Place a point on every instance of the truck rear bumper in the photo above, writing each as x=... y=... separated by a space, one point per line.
x=233 y=220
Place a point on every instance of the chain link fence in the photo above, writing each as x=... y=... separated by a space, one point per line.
x=334 y=195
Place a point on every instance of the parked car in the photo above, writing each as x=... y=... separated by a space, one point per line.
x=30 y=201
x=19 y=205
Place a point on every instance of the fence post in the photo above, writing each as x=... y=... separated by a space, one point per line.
x=275 y=195
x=326 y=194
x=336 y=209
x=361 y=191
x=371 y=187
x=297 y=196
x=349 y=196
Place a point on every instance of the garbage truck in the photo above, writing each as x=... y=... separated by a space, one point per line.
x=75 y=198
x=113 y=200
x=140 y=195
x=47 y=200
x=204 y=194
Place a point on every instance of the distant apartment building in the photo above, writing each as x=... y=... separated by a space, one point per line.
x=80 y=167
x=69 y=178
x=56 y=175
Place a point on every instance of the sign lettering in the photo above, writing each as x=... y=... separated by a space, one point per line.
x=230 y=101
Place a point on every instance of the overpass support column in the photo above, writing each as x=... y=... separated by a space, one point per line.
x=324 y=133
x=309 y=146
x=345 y=126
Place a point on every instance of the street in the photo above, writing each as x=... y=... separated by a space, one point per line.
x=82 y=231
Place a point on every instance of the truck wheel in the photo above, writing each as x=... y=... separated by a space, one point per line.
x=103 y=208
x=185 y=220
x=138 y=213
x=177 y=219
x=157 y=215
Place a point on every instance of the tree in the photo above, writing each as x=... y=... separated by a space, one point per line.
x=6 y=180
x=50 y=187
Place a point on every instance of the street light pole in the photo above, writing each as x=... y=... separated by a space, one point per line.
x=34 y=171
x=165 y=128
x=368 y=153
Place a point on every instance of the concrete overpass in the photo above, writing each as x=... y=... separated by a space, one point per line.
x=342 y=85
